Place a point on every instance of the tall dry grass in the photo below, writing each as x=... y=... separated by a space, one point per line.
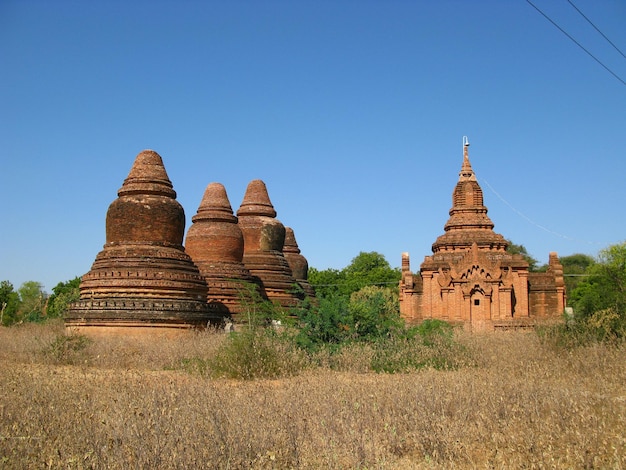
x=117 y=403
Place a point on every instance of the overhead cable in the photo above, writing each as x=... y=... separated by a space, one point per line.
x=576 y=42
x=532 y=222
x=596 y=28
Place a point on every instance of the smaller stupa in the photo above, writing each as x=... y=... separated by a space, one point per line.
x=297 y=262
x=215 y=243
x=264 y=238
x=143 y=277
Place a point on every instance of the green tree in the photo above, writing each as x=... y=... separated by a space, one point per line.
x=9 y=303
x=515 y=249
x=374 y=312
x=63 y=294
x=32 y=301
x=365 y=269
x=357 y=302
x=575 y=269
x=327 y=283
x=605 y=287
x=368 y=269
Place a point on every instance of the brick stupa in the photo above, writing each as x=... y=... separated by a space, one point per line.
x=264 y=238
x=143 y=276
x=215 y=243
x=297 y=262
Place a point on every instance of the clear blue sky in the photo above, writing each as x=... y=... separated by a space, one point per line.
x=352 y=112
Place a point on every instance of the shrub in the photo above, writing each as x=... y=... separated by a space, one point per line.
x=327 y=324
x=602 y=326
x=430 y=344
x=257 y=353
x=67 y=349
x=435 y=331
x=374 y=313
x=258 y=349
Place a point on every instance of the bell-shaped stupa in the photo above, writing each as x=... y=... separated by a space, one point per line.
x=297 y=262
x=215 y=243
x=264 y=237
x=143 y=276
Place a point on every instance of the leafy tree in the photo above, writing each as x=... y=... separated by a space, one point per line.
x=328 y=323
x=358 y=302
x=515 y=249
x=374 y=312
x=327 y=283
x=9 y=303
x=606 y=285
x=32 y=301
x=370 y=268
x=366 y=269
x=575 y=268
x=599 y=301
x=63 y=294
x=577 y=263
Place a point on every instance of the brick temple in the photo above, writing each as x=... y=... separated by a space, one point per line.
x=145 y=278
x=471 y=279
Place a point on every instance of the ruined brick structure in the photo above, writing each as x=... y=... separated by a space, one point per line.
x=298 y=263
x=143 y=276
x=215 y=243
x=264 y=239
x=471 y=278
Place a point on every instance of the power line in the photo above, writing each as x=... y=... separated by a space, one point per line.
x=596 y=28
x=366 y=285
x=532 y=222
x=576 y=42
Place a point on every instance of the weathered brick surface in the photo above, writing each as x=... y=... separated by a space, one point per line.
x=143 y=274
x=470 y=278
x=297 y=262
x=215 y=243
x=264 y=238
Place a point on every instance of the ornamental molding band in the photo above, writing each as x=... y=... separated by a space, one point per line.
x=471 y=279
x=144 y=278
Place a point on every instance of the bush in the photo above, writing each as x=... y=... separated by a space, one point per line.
x=327 y=324
x=374 y=313
x=430 y=344
x=257 y=353
x=435 y=331
x=67 y=349
x=263 y=348
x=369 y=315
x=603 y=326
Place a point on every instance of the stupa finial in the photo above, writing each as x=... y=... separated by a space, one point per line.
x=466 y=170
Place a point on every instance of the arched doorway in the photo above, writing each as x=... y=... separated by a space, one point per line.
x=479 y=305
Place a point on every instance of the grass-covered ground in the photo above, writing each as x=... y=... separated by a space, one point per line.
x=503 y=400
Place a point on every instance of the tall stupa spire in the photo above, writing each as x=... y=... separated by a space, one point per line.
x=468 y=222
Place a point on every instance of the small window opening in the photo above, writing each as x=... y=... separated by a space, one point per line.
x=476 y=301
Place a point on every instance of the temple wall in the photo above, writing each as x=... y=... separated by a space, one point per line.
x=530 y=295
x=546 y=298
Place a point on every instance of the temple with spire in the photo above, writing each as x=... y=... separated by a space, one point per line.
x=471 y=278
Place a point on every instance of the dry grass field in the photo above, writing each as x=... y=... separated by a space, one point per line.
x=141 y=403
